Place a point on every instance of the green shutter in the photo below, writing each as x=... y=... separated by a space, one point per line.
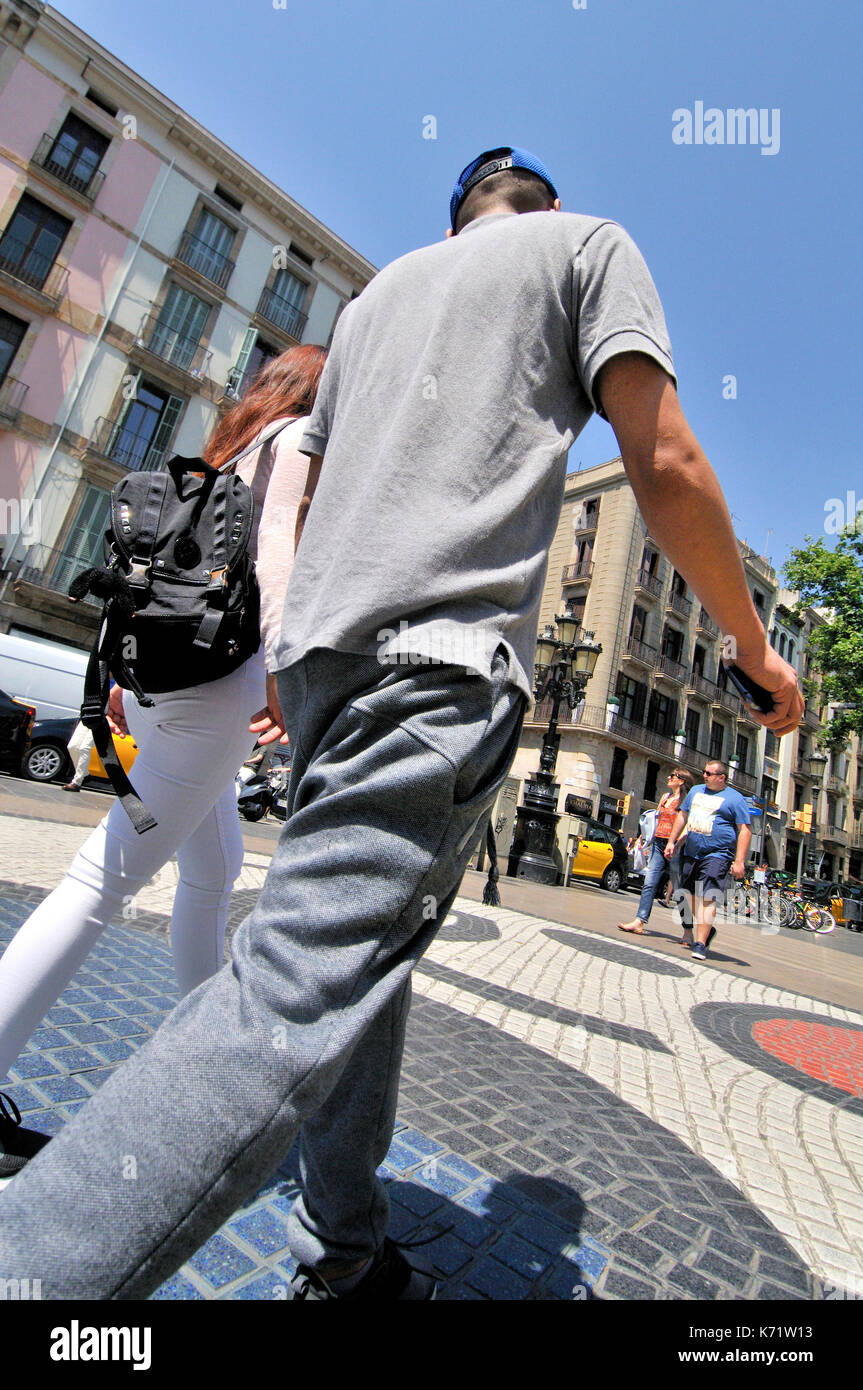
x=238 y=371
x=164 y=433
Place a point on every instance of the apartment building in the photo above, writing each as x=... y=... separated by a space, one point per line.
x=659 y=694
x=147 y=272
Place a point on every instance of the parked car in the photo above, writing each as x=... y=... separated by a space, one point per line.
x=601 y=856
x=16 y=721
x=47 y=759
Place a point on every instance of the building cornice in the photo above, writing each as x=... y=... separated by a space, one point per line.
x=247 y=181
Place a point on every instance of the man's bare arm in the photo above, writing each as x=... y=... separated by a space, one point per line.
x=682 y=503
x=315 y=462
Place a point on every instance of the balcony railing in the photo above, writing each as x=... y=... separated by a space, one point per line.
x=32 y=268
x=578 y=573
x=12 y=394
x=287 y=317
x=53 y=569
x=706 y=625
x=810 y=718
x=690 y=756
x=640 y=651
x=197 y=255
x=648 y=583
x=596 y=717
x=678 y=604
x=671 y=670
x=700 y=685
x=836 y=835
x=70 y=171
x=837 y=784
x=726 y=699
x=743 y=782
x=172 y=347
x=857 y=839
x=138 y=453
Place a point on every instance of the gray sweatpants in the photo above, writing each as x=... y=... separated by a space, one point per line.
x=393 y=770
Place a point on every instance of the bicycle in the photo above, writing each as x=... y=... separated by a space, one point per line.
x=796 y=911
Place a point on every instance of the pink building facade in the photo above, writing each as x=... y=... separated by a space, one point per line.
x=146 y=274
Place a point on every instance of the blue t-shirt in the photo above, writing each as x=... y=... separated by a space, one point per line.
x=713 y=819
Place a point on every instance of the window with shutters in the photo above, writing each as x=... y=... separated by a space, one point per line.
x=141 y=439
x=76 y=154
x=618 y=767
x=12 y=332
x=717 y=741
x=632 y=695
x=83 y=544
x=32 y=240
x=179 y=327
x=650 y=781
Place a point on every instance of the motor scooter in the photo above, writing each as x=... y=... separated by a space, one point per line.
x=257 y=794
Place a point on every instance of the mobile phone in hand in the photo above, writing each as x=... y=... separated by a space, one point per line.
x=749 y=690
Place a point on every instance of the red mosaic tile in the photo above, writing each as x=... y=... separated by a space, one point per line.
x=834 y=1055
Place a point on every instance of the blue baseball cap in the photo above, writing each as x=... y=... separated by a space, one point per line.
x=492 y=162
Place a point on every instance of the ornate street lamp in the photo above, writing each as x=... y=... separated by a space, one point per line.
x=817 y=763
x=565 y=662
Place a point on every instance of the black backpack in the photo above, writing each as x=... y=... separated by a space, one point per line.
x=182 y=604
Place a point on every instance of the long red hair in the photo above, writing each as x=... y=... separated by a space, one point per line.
x=287 y=385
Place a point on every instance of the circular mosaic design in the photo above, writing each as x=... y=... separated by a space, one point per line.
x=812 y=1052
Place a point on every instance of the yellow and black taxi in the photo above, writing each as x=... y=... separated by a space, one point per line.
x=600 y=855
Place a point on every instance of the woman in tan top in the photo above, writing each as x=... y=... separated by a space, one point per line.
x=679 y=783
x=190 y=745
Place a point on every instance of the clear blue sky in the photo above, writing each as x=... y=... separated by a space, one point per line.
x=757 y=257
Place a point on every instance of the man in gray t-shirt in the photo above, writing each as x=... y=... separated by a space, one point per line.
x=454 y=388
x=456 y=384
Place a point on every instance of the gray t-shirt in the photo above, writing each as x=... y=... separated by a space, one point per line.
x=455 y=386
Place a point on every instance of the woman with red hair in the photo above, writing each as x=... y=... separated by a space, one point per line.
x=190 y=745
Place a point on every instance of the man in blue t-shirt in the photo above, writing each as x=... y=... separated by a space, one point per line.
x=717 y=840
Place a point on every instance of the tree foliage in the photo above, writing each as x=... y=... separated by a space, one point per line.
x=833 y=579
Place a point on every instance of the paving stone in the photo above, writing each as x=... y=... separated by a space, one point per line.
x=716 y=1267
x=624 y=1286
x=691 y=1282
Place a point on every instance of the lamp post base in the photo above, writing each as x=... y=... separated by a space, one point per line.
x=534 y=843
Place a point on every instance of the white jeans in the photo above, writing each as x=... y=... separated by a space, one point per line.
x=190 y=746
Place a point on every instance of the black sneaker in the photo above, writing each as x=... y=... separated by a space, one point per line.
x=388 y=1279
x=17 y=1145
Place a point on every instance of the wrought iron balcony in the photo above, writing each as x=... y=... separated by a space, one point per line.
x=581 y=572
x=278 y=311
x=12 y=394
x=743 y=782
x=648 y=583
x=700 y=685
x=39 y=272
x=166 y=343
x=811 y=718
x=678 y=603
x=837 y=784
x=598 y=718
x=640 y=651
x=53 y=569
x=726 y=699
x=138 y=453
x=70 y=171
x=197 y=255
x=706 y=625
x=671 y=670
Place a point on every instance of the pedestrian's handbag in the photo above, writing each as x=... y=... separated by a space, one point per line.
x=181 y=600
x=647 y=827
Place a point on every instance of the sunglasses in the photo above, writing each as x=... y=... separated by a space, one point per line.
x=708 y=773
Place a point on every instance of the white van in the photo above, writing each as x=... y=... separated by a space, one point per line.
x=46 y=674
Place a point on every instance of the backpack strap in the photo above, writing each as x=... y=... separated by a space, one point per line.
x=142 y=551
x=97 y=684
x=258 y=443
x=215 y=590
